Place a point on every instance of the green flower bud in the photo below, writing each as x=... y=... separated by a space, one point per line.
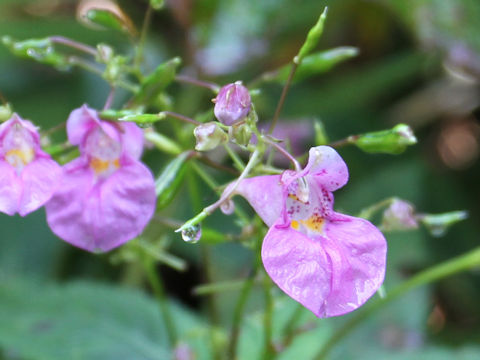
x=393 y=141
x=438 y=224
x=209 y=136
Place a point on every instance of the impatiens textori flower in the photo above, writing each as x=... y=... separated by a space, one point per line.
x=107 y=195
x=28 y=176
x=329 y=262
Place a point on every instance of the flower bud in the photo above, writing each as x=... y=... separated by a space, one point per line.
x=438 y=224
x=392 y=141
x=209 y=136
x=242 y=134
x=232 y=103
x=399 y=216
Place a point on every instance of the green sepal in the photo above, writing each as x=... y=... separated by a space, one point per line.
x=321 y=137
x=157 y=81
x=108 y=20
x=312 y=39
x=314 y=64
x=40 y=50
x=438 y=224
x=170 y=179
x=392 y=141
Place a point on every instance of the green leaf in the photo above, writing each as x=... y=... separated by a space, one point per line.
x=85 y=320
x=170 y=179
x=157 y=81
x=313 y=37
x=314 y=64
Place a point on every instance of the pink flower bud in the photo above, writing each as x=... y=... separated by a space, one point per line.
x=232 y=103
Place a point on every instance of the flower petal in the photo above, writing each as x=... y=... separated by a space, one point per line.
x=298 y=265
x=40 y=179
x=132 y=140
x=265 y=195
x=103 y=215
x=10 y=188
x=80 y=122
x=65 y=208
x=357 y=255
x=327 y=167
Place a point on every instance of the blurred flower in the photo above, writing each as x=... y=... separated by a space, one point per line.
x=329 y=262
x=28 y=176
x=107 y=196
x=399 y=216
x=232 y=103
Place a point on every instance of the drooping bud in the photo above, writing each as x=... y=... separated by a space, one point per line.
x=209 y=136
x=232 y=103
x=6 y=112
x=399 y=216
x=438 y=224
x=392 y=141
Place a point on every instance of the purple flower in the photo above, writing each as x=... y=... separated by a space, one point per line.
x=329 y=262
x=107 y=196
x=232 y=103
x=28 y=176
x=400 y=215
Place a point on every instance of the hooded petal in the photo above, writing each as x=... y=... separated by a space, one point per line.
x=298 y=265
x=10 y=189
x=80 y=122
x=326 y=167
x=40 y=179
x=357 y=257
x=265 y=194
x=98 y=216
x=132 y=140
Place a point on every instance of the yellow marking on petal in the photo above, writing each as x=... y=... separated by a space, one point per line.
x=19 y=157
x=294 y=197
x=294 y=224
x=103 y=166
x=313 y=223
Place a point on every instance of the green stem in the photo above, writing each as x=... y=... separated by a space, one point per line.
x=458 y=264
x=206 y=261
x=240 y=305
x=269 y=350
x=217 y=287
x=159 y=291
x=210 y=209
x=373 y=209
x=236 y=159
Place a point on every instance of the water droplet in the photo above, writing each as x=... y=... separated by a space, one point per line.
x=192 y=234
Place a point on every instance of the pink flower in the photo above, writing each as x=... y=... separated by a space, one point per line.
x=107 y=196
x=329 y=262
x=28 y=176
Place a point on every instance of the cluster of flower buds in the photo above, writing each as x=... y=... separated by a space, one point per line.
x=232 y=107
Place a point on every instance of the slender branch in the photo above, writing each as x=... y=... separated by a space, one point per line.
x=200 y=83
x=236 y=159
x=74 y=44
x=181 y=117
x=284 y=152
x=207 y=161
x=447 y=268
x=278 y=110
x=343 y=142
x=143 y=36
x=108 y=102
